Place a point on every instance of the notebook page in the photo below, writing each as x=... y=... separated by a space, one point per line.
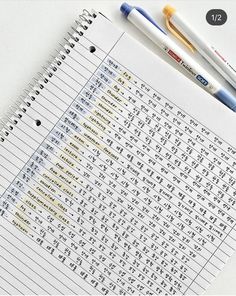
x=126 y=187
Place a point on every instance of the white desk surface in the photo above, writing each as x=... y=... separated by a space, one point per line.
x=31 y=30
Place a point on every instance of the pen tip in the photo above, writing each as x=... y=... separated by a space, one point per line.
x=225 y=97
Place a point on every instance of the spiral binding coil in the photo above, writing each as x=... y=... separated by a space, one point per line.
x=20 y=107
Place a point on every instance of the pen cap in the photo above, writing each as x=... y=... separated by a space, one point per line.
x=125 y=8
x=169 y=11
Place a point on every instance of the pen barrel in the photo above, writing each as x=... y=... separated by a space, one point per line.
x=205 y=49
x=175 y=52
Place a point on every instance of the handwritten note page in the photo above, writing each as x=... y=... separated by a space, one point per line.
x=119 y=190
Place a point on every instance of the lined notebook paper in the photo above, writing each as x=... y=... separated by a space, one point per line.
x=113 y=178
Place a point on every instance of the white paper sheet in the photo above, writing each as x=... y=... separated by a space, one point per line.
x=126 y=187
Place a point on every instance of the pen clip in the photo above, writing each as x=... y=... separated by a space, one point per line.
x=176 y=32
x=149 y=18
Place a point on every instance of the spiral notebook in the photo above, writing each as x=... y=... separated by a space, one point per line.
x=113 y=178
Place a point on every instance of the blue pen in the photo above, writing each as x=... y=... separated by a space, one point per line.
x=150 y=28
